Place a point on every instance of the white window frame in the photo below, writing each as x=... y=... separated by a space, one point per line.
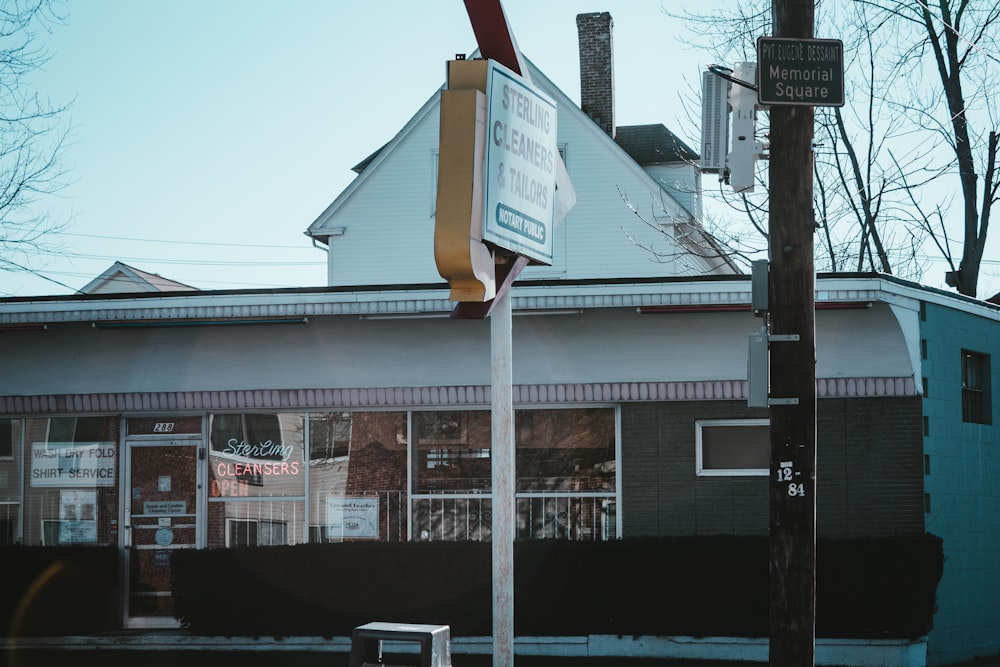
x=701 y=471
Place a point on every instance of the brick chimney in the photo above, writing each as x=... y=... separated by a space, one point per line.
x=597 y=72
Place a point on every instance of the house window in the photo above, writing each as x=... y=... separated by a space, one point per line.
x=976 y=387
x=75 y=429
x=256 y=533
x=6 y=438
x=10 y=484
x=732 y=447
x=329 y=435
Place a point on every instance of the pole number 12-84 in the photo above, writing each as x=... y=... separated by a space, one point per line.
x=786 y=474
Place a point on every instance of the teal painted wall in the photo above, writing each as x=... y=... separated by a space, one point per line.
x=962 y=486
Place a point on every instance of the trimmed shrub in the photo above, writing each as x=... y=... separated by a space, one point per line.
x=53 y=591
x=696 y=586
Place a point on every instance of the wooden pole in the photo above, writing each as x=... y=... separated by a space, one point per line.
x=793 y=368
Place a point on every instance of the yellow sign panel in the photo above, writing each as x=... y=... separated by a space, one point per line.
x=462 y=258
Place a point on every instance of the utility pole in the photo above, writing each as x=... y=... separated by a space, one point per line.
x=793 y=367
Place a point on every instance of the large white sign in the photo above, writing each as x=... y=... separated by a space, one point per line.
x=73 y=464
x=521 y=159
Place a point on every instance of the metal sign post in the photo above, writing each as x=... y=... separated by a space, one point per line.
x=502 y=458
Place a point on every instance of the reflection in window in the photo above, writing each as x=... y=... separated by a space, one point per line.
x=256 y=533
x=256 y=455
x=454 y=519
x=75 y=429
x=565 y=450
x=357 y=476
x=10 y=476
x=255 y=522
x=329 y=435
x=452 y=452
x=71 y=467
x=256 y=480
x=7 y=439
x=566 y=475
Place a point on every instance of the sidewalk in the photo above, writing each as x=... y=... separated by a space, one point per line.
x=180 y=649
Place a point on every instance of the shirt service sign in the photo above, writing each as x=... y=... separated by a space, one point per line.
x=521 y=157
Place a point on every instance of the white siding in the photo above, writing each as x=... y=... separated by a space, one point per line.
x=595 y=346
x=683 y=182
x=389 y=226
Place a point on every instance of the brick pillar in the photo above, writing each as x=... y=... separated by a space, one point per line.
x=597 y=72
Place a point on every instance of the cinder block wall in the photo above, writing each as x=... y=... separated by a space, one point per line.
x=869 y=471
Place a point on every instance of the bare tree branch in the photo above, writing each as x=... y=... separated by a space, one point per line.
x=32 y=139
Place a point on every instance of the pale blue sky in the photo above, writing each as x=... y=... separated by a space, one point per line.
x=238 y=121
x=209 y=134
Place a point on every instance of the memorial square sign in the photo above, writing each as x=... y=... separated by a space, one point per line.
x=801 y=72
x=521 y=157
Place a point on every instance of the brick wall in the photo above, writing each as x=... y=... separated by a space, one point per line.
x=597 y=74
x=869 y=471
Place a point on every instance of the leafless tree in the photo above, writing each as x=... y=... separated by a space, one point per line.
x=32 y=137
x=878 y=156
x=960 y=39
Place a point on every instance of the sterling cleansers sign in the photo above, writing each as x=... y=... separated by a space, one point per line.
x=521 y=157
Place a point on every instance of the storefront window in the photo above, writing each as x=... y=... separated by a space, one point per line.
x=71 y=470
x=566 y=472
x=565 y=467
x=565 y=450
x=257 y=478
x=256 y=455
x=452 y=452
x=10 y=479
x=357 y=476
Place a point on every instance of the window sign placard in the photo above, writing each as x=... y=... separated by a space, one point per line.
x=78 y=517
x=164 y=507
x=355 y=518
x=521 y=158
x=62 y=464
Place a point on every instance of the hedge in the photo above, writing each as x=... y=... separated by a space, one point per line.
x=691 y=586
x=54 y=591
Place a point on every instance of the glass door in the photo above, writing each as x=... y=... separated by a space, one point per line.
x=163 y=482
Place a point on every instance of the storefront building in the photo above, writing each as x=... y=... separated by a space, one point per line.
x=194 y=420
x=159 y=422
x=152 y=484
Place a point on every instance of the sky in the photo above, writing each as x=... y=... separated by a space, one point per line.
x=206 y=136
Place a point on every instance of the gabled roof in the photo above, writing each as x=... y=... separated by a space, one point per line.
x=653 y=144
x=121 y=278
x=646 y=144
x=361 y=166
x=665 y=143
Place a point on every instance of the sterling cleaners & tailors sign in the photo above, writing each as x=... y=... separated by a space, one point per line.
x=521 y=157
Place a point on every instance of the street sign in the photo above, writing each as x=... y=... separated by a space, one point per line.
x=521 y=161
x=800 y=72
